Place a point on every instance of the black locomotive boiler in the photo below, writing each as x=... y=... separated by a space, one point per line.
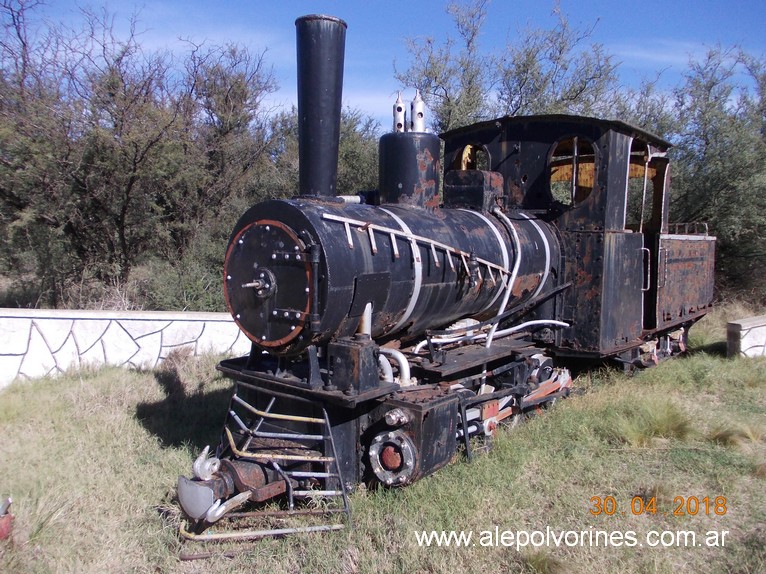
x=391 y=327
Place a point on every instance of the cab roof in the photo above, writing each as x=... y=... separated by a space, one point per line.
x=552 y=119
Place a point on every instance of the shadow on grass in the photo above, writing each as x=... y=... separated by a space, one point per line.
x=717 y=349
x=185 y=418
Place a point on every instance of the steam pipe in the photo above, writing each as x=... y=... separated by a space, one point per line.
x=320 y=42
x=402 y=363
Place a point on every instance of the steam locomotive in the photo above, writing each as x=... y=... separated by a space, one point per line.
x=391 y=328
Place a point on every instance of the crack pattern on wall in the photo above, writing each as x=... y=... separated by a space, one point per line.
x=36 y=343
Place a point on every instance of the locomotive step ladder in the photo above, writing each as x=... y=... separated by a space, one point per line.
x=277 y=448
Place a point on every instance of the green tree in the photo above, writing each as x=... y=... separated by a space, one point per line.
x=553 y=71
x=452 y=76
x=716 y=118
x=113 y=208
x=36 y=152
x=111 y=156
x=720 y=159
x=357 y=153
x=279 y=177
x=648 y=107
x=221 y=139
x=540 y=71
x=221 y=147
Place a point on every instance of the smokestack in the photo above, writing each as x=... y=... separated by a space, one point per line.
x=321 y=44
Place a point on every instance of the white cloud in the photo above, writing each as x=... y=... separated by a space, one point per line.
x=654 y=53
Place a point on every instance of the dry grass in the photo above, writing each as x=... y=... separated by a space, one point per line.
x=737 y=434
x=92 y=461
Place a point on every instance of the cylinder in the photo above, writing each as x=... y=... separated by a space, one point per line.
x=409 y=168
x=320 y=44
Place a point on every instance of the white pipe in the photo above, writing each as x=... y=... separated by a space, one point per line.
x=401 y=361
x=365 y=322
x=523 y=326
x=445 y=340
x=501 y=333
x=385 y=366
x=516 y=264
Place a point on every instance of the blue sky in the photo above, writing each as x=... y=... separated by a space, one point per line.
x=645 y=37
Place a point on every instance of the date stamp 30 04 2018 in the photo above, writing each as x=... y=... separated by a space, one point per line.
x=639 y=505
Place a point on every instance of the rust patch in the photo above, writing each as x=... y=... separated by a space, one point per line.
x=495 y=180
x=489 y=409
x=515 y=193
x=391 y=458
x=246 y=475
x=685 y=278
x=525 y=284
x=268 y=492
x=422 y=395
x=6 y=526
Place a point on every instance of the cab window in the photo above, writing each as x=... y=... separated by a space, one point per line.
x=572 y=171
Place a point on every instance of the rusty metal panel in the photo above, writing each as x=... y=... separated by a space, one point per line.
x=582 y=302
x=605 y=304
x=685 y=278
x=473 y=189
x=460 y=359
x=585 y=291
x=622 y=307
x=616 y=180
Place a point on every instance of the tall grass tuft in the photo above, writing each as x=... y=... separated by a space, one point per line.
x=643 y=421
x=736 y=435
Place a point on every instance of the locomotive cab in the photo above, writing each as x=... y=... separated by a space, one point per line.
x=605 y=186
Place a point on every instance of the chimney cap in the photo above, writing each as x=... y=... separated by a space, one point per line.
x=321 y=17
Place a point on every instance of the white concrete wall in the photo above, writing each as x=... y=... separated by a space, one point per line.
x=34 y=343
x=746 y=337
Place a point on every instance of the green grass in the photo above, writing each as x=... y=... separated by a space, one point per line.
x=91 y=461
